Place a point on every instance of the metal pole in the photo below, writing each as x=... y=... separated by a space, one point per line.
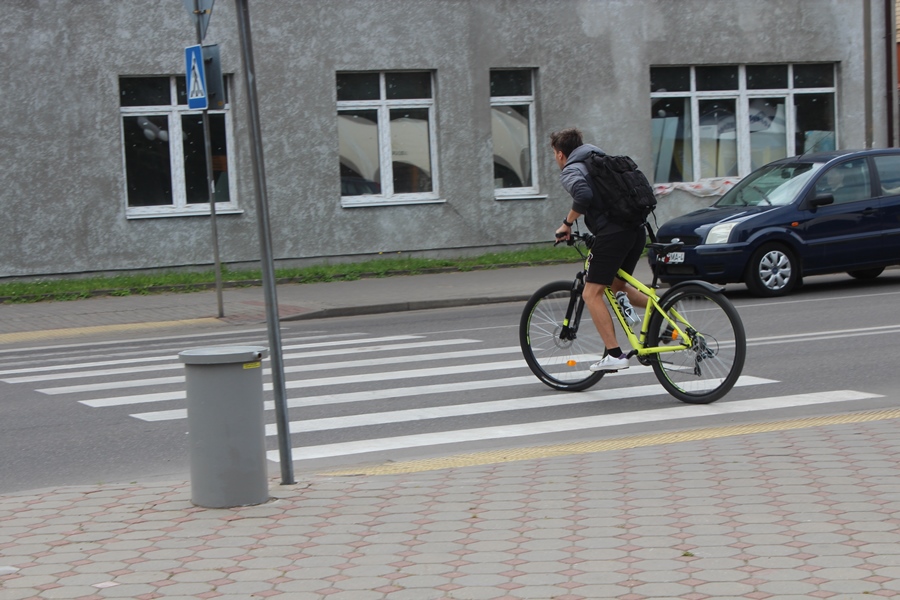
x=211 y=183
x=265 y=242
x=867 y=71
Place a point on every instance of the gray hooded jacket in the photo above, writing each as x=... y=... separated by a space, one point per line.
x=574 y=179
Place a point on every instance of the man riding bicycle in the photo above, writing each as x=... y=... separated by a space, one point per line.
x=615 y=246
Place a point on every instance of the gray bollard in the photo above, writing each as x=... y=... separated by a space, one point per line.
x=226 y=426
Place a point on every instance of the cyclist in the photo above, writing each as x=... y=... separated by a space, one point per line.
x=615 y=246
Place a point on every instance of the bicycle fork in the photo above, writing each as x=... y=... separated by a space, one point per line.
x=572 y=318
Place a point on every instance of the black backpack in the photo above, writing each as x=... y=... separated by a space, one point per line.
x=624 y=193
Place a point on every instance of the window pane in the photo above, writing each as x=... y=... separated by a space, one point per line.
x=512 y=150
x=181 y=90
x=806 y=76
x=401 y=86
x=672 y=148
x=144 y=91
x=718 y=140
x=766 y=77
x=358 y=143
x=147 y=167
x=358 y=86
x=889 y=174
x=815 y=122
x=847 y=182
x=410 y=150
x=717 y=78
x=196 y=185
x=768 y=133
x=511 y=83
x=670 y=79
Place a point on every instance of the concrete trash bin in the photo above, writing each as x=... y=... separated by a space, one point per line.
x=226 y=425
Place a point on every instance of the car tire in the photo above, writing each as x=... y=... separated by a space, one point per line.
x=773 y=271
x=866 y=273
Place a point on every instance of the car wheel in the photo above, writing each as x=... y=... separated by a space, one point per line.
x=773 y=271
x=866 y=273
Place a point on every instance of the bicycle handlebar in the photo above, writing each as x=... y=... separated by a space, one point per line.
x=659 y=249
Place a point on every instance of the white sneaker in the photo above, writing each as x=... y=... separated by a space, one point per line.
x=608 y=363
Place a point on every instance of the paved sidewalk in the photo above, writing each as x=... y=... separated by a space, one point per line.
x=801 y=513
x=785 y=510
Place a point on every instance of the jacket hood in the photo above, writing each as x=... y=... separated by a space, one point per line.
x=580 y=153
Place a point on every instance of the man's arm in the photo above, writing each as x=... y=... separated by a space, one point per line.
x=565 y=230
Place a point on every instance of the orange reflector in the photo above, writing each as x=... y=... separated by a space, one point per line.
x=571 y=363
x=674 y=335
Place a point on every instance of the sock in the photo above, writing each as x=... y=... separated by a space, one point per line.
x=614 y=352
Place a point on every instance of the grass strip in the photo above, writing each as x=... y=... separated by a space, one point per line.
x=76 y=288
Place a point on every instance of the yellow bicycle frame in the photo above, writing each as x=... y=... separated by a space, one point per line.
x=676 y=321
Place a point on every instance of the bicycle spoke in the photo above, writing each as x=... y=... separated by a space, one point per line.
x=709 y=368
x=560 y=363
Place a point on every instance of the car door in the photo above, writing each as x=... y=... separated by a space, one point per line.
x=888 y=172
x=845 y=233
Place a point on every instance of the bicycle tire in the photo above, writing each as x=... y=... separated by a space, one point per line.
x=561 y=364
x=707 y=371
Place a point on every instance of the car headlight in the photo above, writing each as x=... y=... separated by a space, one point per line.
x=719 y=234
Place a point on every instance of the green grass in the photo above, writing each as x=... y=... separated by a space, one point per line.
x=69 y=288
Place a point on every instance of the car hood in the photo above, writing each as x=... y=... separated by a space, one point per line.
x=701 y=221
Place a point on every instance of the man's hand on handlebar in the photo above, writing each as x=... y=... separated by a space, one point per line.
x=563 y=233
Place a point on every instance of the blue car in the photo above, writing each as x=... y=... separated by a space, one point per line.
x=818 y=213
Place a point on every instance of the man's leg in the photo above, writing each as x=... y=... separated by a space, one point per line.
x=593 y=299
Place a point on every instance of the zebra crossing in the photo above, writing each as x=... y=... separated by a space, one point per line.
x=357 y=394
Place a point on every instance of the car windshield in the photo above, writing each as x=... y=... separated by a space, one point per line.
x=772 y=185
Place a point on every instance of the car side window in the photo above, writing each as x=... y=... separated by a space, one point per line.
x=847 y=182
x=888 y=168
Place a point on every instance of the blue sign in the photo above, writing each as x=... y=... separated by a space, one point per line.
x=198 y=98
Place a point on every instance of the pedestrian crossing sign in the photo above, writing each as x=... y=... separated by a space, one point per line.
x=197 y=96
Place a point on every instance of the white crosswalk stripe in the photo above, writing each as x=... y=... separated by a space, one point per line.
x=376 y=391
x=566 y=425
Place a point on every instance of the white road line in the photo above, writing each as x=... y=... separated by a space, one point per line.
x=687 y=411
x=136 y=399
x=348 y=397
x=481 y=408
x=303 y=383
x=179 y=365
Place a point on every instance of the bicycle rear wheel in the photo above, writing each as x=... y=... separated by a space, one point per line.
x=562 y=364
x=710 y=368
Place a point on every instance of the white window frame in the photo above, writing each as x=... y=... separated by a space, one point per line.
x=383 y=106
x=743 y=96
x=173 y=113
x=533 y=190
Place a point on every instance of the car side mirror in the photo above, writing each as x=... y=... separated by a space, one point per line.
x=821 y=200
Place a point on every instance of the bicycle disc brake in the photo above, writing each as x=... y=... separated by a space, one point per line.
x=564 y=337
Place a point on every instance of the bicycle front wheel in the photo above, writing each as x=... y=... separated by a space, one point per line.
x=708 y=369
x=560 y=361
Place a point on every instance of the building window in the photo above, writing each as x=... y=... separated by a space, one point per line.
x=165 y=159
x=513 y=132
x=725 y=121
x=386 y=138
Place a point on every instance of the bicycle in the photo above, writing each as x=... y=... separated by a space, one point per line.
x=692 y=336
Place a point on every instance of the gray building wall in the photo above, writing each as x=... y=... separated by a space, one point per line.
x=62 y=181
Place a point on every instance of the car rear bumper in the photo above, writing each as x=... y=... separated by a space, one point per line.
x=723 y=263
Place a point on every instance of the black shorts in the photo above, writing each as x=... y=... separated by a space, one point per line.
x=614 y=251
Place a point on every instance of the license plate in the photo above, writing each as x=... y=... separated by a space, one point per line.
x=674 y=258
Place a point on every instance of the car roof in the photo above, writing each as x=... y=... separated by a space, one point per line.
x=832 y=155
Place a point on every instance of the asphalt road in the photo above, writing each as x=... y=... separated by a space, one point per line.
x=426 y=383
